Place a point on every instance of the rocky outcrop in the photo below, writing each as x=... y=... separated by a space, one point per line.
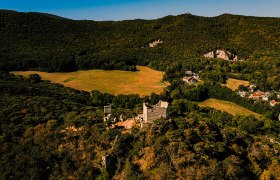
x=222 y=54
x=155 y=43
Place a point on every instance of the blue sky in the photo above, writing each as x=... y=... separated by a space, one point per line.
x=143 y=9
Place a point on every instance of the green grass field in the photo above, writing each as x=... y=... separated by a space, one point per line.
x=233 y=84
x=142 y=82
x=228 y=107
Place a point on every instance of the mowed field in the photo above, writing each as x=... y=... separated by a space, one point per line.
x=233 y=84
x=228 y=107
x=142 y=82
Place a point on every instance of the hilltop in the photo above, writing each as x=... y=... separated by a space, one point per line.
x=38 y=41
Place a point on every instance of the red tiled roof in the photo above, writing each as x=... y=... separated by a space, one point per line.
x=258 y=94
x=273 y=102
x=128 y=123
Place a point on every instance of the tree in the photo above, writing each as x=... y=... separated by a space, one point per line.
x=242 y=88
x=36 y=78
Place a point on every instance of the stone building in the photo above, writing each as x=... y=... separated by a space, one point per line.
x=153 y=112
x=107 y=112
x=108 y=109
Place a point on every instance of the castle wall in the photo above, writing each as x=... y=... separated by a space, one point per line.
x=151 y=113
x=145 y=112
x=154 y=114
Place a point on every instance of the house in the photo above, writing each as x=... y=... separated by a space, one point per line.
x=107 y=113
x=108 y=109
x=189 y=73
x=242 y=93
x=252 y=87
x=266 y=96
x=190 y=80
x=273 y=103
x=154 y=112
x=257 y=95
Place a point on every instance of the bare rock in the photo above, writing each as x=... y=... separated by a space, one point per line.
x=222 y=54
x=155 y=43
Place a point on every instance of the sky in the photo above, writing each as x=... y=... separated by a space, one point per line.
x=100 y=10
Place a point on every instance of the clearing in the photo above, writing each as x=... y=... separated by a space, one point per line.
x=228 y=107
x=233 y=84
x=143 y=82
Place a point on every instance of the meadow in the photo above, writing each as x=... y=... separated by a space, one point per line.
x=228 y=107
x=143 y=82
x=233 y=84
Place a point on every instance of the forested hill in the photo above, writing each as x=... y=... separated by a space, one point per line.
x=50 y=43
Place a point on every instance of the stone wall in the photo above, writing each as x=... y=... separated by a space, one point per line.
x=151 y=113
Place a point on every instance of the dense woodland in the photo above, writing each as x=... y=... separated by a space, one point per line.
x=50 y=43
x=35 y=41
x=53 y=132
x=194 y=143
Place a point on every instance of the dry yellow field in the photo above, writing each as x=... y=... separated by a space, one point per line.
x=228 y=107
x=142 y=82
x=233 y=84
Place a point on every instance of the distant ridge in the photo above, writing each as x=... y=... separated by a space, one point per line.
x=39 y=13
x=51 y=15
x=41 y=41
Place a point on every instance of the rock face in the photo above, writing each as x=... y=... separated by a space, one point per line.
x=221 y=54
x=155 y=43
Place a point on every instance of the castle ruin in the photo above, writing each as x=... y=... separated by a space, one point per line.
x=154 y=112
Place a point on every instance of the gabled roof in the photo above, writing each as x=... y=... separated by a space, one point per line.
x=273 y=102
x=258 y=93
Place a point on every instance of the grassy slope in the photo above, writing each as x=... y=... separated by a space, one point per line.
x=233 y=84
x=143 y=82
x=228 y=107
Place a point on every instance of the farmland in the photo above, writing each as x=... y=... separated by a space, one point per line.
x=228 y=107
x=143 y=82
x=233 y=84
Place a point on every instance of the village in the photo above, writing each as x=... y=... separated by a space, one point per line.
x=252 y=92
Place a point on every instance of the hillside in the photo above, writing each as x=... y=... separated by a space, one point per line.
x=36 y=41
x=52 y=132
x=49 y=131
